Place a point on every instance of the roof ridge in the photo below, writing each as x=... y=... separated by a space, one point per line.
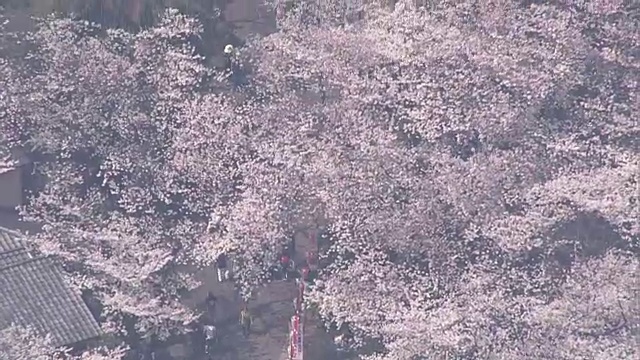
x=10 y=231
x=16 y=239
x=23 y=262
x=11 y=251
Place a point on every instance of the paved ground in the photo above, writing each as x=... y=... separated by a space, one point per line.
x=272 y=308
x=249 y=17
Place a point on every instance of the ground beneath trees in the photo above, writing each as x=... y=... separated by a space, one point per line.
x=271 y=307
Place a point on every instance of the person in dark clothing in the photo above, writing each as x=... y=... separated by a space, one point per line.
x=274 y=272
x=221 y=264
x=212 y=300
x=285 y=266
x=233 y=66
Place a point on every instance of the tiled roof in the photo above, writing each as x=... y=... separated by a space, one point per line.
x=12 y=250
x=34 y=293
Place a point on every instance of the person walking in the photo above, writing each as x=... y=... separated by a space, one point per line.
x=245 y=321
x=234 y=66
x=285 y=265
x=211 y=301
x=341 y=345
x=305 y=273
x=312 y=260
x=210 y=338
x=222 y=267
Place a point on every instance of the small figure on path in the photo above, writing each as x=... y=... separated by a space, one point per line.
x=211 y=300
x=341 y=345
x=305 y=272
x=285 y=265
x=210 y=338
x=234 y=66
x=245 y=321
x=221 y=265
x=312 y=260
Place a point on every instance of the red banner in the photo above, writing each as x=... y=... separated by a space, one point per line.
x=296 y=339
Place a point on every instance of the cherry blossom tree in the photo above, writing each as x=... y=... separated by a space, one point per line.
x=476 y=164
x=477 y=137
x=97 y=108
x=113 y=121
x=19 y=343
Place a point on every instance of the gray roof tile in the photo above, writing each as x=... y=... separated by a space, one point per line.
x=34 y=293
x=12 y=249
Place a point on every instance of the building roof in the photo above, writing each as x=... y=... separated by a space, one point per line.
x=35 y=294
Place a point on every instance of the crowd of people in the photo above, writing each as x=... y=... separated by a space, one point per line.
x=283 y=269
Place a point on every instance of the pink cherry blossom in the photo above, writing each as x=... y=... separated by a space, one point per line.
x=475 y=165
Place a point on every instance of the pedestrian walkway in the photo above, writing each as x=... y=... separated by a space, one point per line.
x=271 y=307
x=272 y=310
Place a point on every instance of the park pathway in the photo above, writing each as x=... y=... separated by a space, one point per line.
x=272 y=307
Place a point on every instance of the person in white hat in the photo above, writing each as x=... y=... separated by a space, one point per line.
x=233 y=65
x=230 y=55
